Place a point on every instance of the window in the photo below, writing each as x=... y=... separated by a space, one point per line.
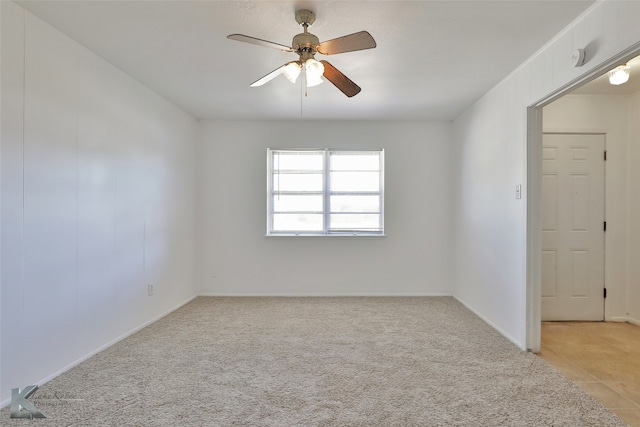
x=325 y=192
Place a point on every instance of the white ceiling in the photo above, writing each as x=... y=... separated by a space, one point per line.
x=433 y=59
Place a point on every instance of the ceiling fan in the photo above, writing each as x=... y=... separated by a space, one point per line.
x=306 y=45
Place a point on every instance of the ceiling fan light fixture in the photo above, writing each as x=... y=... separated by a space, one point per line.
x=314 y=70
x=291 y=71
x=619 y=75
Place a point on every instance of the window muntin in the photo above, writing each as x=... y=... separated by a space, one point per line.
x=325 y=192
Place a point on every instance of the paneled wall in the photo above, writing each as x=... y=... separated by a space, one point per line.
x=98 y=201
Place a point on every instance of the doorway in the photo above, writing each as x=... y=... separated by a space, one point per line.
x=616 y=272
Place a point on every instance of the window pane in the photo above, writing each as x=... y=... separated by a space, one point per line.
x=297 y=222
x=355 y=222
x=297 y=203
x=355 y=161
x=298 y=161
x=297 y=182
x=325 y=192
x=355 y=203
x=355 y=181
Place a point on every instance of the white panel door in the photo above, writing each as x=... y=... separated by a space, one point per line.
x=573 y=227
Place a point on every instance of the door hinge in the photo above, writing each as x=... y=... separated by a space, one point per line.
x=605 y=226
x=605 y=292
x=605 y=155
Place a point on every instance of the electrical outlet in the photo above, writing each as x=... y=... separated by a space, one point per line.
x=150 y=289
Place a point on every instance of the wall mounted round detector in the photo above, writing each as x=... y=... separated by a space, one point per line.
x=577 y=58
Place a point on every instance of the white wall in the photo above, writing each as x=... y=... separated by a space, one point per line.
x=491 y=155
x=607 y=114
x=98 y=199
x=633 y=225
x=413 y=258
x=1 y=116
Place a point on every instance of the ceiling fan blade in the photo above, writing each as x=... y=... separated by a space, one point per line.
x=259 y=42
x=355 y=41
x=272 y=75
x=339 y=80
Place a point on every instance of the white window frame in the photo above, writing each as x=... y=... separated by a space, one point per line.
x=326 y=193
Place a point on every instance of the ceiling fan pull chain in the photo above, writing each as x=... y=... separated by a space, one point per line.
x=304 y=83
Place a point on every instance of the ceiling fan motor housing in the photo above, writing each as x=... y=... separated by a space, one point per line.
x=305 y=42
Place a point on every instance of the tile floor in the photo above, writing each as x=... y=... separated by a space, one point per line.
x=603 y=358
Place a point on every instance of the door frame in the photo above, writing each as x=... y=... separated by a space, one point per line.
x=534 y=193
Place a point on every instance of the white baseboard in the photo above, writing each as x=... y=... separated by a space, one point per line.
x=312 y=294
x=619 y=319
x=493 y=325
x=103 y=347
x=625 y=319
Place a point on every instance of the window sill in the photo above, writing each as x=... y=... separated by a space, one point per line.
x=324 y=235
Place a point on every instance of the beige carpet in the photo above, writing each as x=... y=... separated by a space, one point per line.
x=316 y=362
